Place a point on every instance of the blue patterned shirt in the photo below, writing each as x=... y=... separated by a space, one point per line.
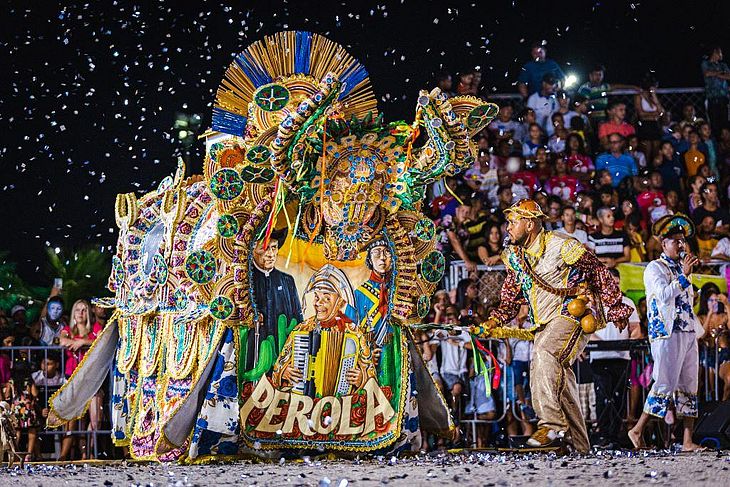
x=684 y=319
x=715 y=87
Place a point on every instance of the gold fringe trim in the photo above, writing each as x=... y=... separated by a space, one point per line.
x=571 y=251
x=52 y=412
x=519 y=333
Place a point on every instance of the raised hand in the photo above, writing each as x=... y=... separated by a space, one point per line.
x=688 y=263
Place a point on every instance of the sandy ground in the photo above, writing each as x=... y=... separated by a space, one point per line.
x=478 y=469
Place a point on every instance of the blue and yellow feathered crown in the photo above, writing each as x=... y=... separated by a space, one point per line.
x=287 y=66
x=669 y=225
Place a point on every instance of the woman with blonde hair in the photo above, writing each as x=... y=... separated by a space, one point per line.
x=76 y=338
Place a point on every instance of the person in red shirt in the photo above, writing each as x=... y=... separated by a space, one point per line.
x=528 y=179
x=562 y=184
x=501 y=153
x=577 y=158
x=616 y=123
x=652 y=196
x=76 y=338
x=79 y=335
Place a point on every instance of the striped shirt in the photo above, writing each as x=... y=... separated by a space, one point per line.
x=611 y=246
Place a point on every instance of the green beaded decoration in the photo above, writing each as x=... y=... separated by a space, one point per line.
x=226 y=184
x=433 y=266
x=200 y=266
x=424 y=229
x=117 y=271
x=221 y=308
x=181 y=299
x=257 y=175
x=258 y=154
x=480 y=115
x=423 y=306
x=271 y=98
x=159 y=268
x=227 y=226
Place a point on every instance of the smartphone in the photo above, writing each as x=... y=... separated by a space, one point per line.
x=58 y=283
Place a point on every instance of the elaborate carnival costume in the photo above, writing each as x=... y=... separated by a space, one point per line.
x=673 y=328
x=549 y=275
x=298 y=144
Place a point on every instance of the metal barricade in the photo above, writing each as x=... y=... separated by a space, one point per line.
x=31 y=353
x=489 y=278
x=473 y=421
x=711 y=393
x=638 y=347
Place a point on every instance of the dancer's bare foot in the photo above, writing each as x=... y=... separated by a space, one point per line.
x=693 y=447
x=636 y=438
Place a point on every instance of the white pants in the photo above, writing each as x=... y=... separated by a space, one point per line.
x=676 y=364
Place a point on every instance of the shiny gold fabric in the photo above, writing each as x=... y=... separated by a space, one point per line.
x=552 y=382
x=551 y=256
x=560 y=264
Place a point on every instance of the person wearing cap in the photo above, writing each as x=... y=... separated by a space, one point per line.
x=329 y=291
x=547 y=270
x=275 y=294
x=17 y=314
x=673 y=330
x=370 y=311
x=544 y=103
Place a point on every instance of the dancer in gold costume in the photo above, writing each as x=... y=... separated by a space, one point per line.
x=570 y=294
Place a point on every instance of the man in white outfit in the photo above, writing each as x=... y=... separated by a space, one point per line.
x=673 y=330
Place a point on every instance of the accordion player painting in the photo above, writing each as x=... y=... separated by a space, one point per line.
x=266 y=304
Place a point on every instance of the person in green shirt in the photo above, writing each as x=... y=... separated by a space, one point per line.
x=596 y=90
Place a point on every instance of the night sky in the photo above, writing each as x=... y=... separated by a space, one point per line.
x=89 y=92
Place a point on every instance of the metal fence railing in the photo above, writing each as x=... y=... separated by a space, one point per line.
x=673 y=100
x=31 y=358
x=489 y=279
x=710 y=376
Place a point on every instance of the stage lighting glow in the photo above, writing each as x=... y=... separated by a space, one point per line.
x=570 y=80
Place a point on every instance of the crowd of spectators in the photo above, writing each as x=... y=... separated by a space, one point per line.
x=603 y=178
x=56 y=343
x=599 y=175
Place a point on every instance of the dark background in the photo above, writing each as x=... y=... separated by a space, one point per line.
x=89 y=92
